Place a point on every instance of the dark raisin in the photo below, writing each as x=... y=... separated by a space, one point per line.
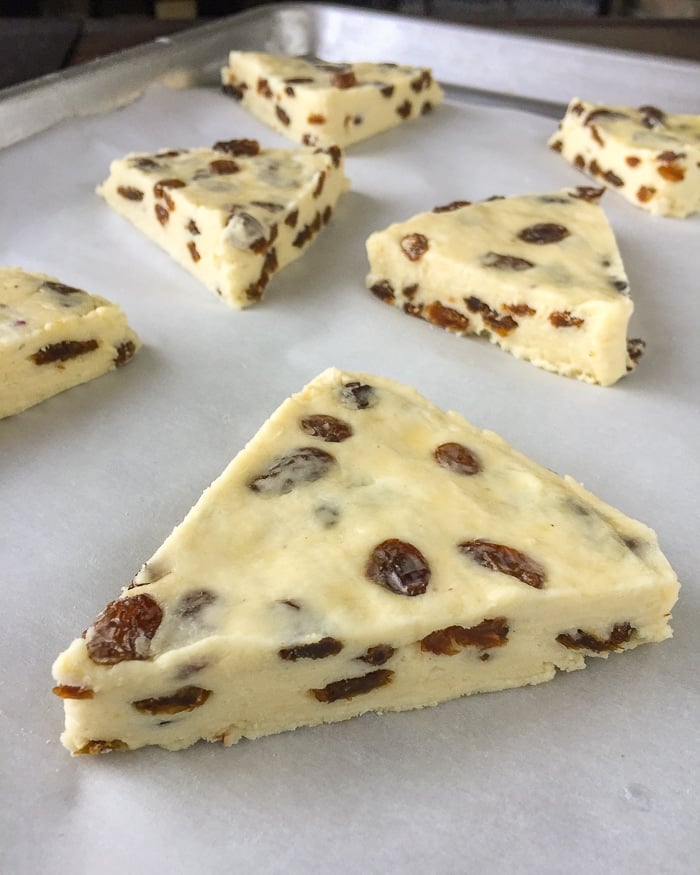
x=596 y=136
x=619 y=635
x=123 y=631
x=386 y=90
x=383 y=290
x=413 y=309
x=613 y=178
x=292 y=219
x=519 y=309
x=327 y=213
x=426 y=108
x=446 y=317
x=63 y=351
x=507 y=560
x=282 y=115
x=192 y=227
x=144 y=163
x=604 y=113
x=235 y=91
x=304 y=465
x=578 y=109
x=358 y=396
x=587 y=193
x=237 y=147
x=318 y=188
x=66 y=691
x=505 y=262
x=414 y=246
x=620 y=285
x=351 y=687
x=302 y=238
x=223 y=166
x=502 y=325
x=652 y=117
x=449 y=208
x=161 y=214
x=299 y=80
x=580 y=162
x=316 y=650
x=594 y=168
x=404 y=109
x=193 y=603
x=125 y=352
x=544 y=232
x=335 y=155
x=399 y=567
x=184 y=699
x=378 y=655
x=264 y=88
x=632 y=161
x=635 y=348
x=447 y=642
x=556 y=146
x=564 y=319
x=343 y=79
x=160 y=189
x=410 y=291
x=60 y=288
x=194 y=252
x=458 y=458
x=325 y=427
x=130 y=193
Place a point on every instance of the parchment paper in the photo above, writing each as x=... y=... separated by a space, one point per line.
x=595 y=771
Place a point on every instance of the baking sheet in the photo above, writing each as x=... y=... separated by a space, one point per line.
x=591 y=772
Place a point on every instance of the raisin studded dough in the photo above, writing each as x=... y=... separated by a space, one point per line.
x=365 y=552
x=53 y=337
x=539 y=275
x=650 y=157
x=313 y=101
x=232 y=215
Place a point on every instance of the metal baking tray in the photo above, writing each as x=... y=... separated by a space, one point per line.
x=591 y=772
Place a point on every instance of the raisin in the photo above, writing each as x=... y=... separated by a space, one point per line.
x=343 y=79
x=447 y=642
x=160 y=189
x=446 y=317
x=613 y=178
x=130 y=193
x=235 y=91
x=668 y=157
x=66 y=691
x=502 y=325
x=594 y=168
x=505 y=262
x=223 y=166
x=193 y=603
x=645 y=193
x=192 y=227
x=327 y=515
x=556 y=146
x=414 y=246
x=358 y=396
x=564 y=319
x=580 y=162
x=404 y=109
x=125 y=352
x=292 y=219
x=161 y=214
x=587 y=193
x=351 y=687
x=335 y=155
x=194 y=252
x=144 y=163
x=603 y=113
x=455 y=205
x=237 y=147
x=304 y=465
x=325 y=427
x=619 y=635
x=596 y=136
x=632 y=160
x=399 y=567
x=309 y=140
x=413 y=309
x=386 y=90
x=519 y=309
x=315 y=118
x=318 y=188
x=543 y=232
x=101 y=746
x=60 y=288
x=507 y=560
x=184 y=699
x=635 y=348
x=378 y=655
x=63 y=351
x=410 y=291
x=302 y=237
x=263 y=88
x=426 y=108
x=282 y=115
x=316 y=650
x=652 y=117
x=620 y=285
x=327 y=213
x=671 y=173
x=124 y=629
x=299 y=80
x=458 y=458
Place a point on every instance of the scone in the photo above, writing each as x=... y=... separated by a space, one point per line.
x=232 y=215
x=53 y=337
x=650 y=157
x=366 y=551
x=317 y=102
x=540 y=275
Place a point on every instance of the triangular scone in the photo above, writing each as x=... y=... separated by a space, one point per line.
x=365 y=552
x=233 y=214
x=650 y=157
x=54 y=337
x=540 y=275
x=313 y=101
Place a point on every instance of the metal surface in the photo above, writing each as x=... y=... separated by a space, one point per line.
x=535 y=74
